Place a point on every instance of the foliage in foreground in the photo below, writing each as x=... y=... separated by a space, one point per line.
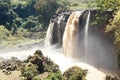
x=75 y=73
x=29 y=71
x=38 y=67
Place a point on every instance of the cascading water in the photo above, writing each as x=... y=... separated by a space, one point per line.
x=71 y=46
x=56 y=29
x=71 y=36
x=86 y=34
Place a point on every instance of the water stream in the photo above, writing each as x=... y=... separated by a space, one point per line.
x=86 y=34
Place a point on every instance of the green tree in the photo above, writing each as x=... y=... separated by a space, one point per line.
x=46 y=9
x=108 y=5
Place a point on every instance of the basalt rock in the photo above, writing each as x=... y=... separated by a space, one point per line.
x=58 y=23
x=6 y=72
x=56 y=29
x=10 y=65
x=112 y=77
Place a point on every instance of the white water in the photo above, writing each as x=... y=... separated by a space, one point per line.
x=49 y=35
x=63 y=62
x=86 y=34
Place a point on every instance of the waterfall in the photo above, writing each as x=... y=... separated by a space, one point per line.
x=49 y=34
x=75 y=43
x=55 y=30
x=86 y=34
x=71 y=35
x=92 y=48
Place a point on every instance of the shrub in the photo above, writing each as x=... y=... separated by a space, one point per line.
x=55 y=76
x=75 y=73
x=29 y=24
x=4 y=33
x=29 y=71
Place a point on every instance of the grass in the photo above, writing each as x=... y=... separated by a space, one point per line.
x=14 y=43
x=21 y=42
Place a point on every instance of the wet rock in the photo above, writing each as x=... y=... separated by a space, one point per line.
x=10 y=64
x=112 y=77
x=56 y=29
x=6 y=72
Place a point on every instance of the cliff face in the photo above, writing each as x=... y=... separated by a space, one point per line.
x=56 y=29
x=93 y=47
x=58 y=23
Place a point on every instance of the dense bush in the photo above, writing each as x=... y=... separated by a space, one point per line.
x=4 y=33
x=25 y=10
x=75 y=73
x=7 y=15
x=46 y=9
x=55 y=76
x=12 y=14
x=32 y=15
x=104 y=5
x=29 y=71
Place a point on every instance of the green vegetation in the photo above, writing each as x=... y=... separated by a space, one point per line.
x=104 y=5
x=47 y=8
x=113 y=28
x=29 y=71
x=39 y=67
x=23 y=20
x=4 y=33
x=75 y=73
x=55 y=76
x=15 y=16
